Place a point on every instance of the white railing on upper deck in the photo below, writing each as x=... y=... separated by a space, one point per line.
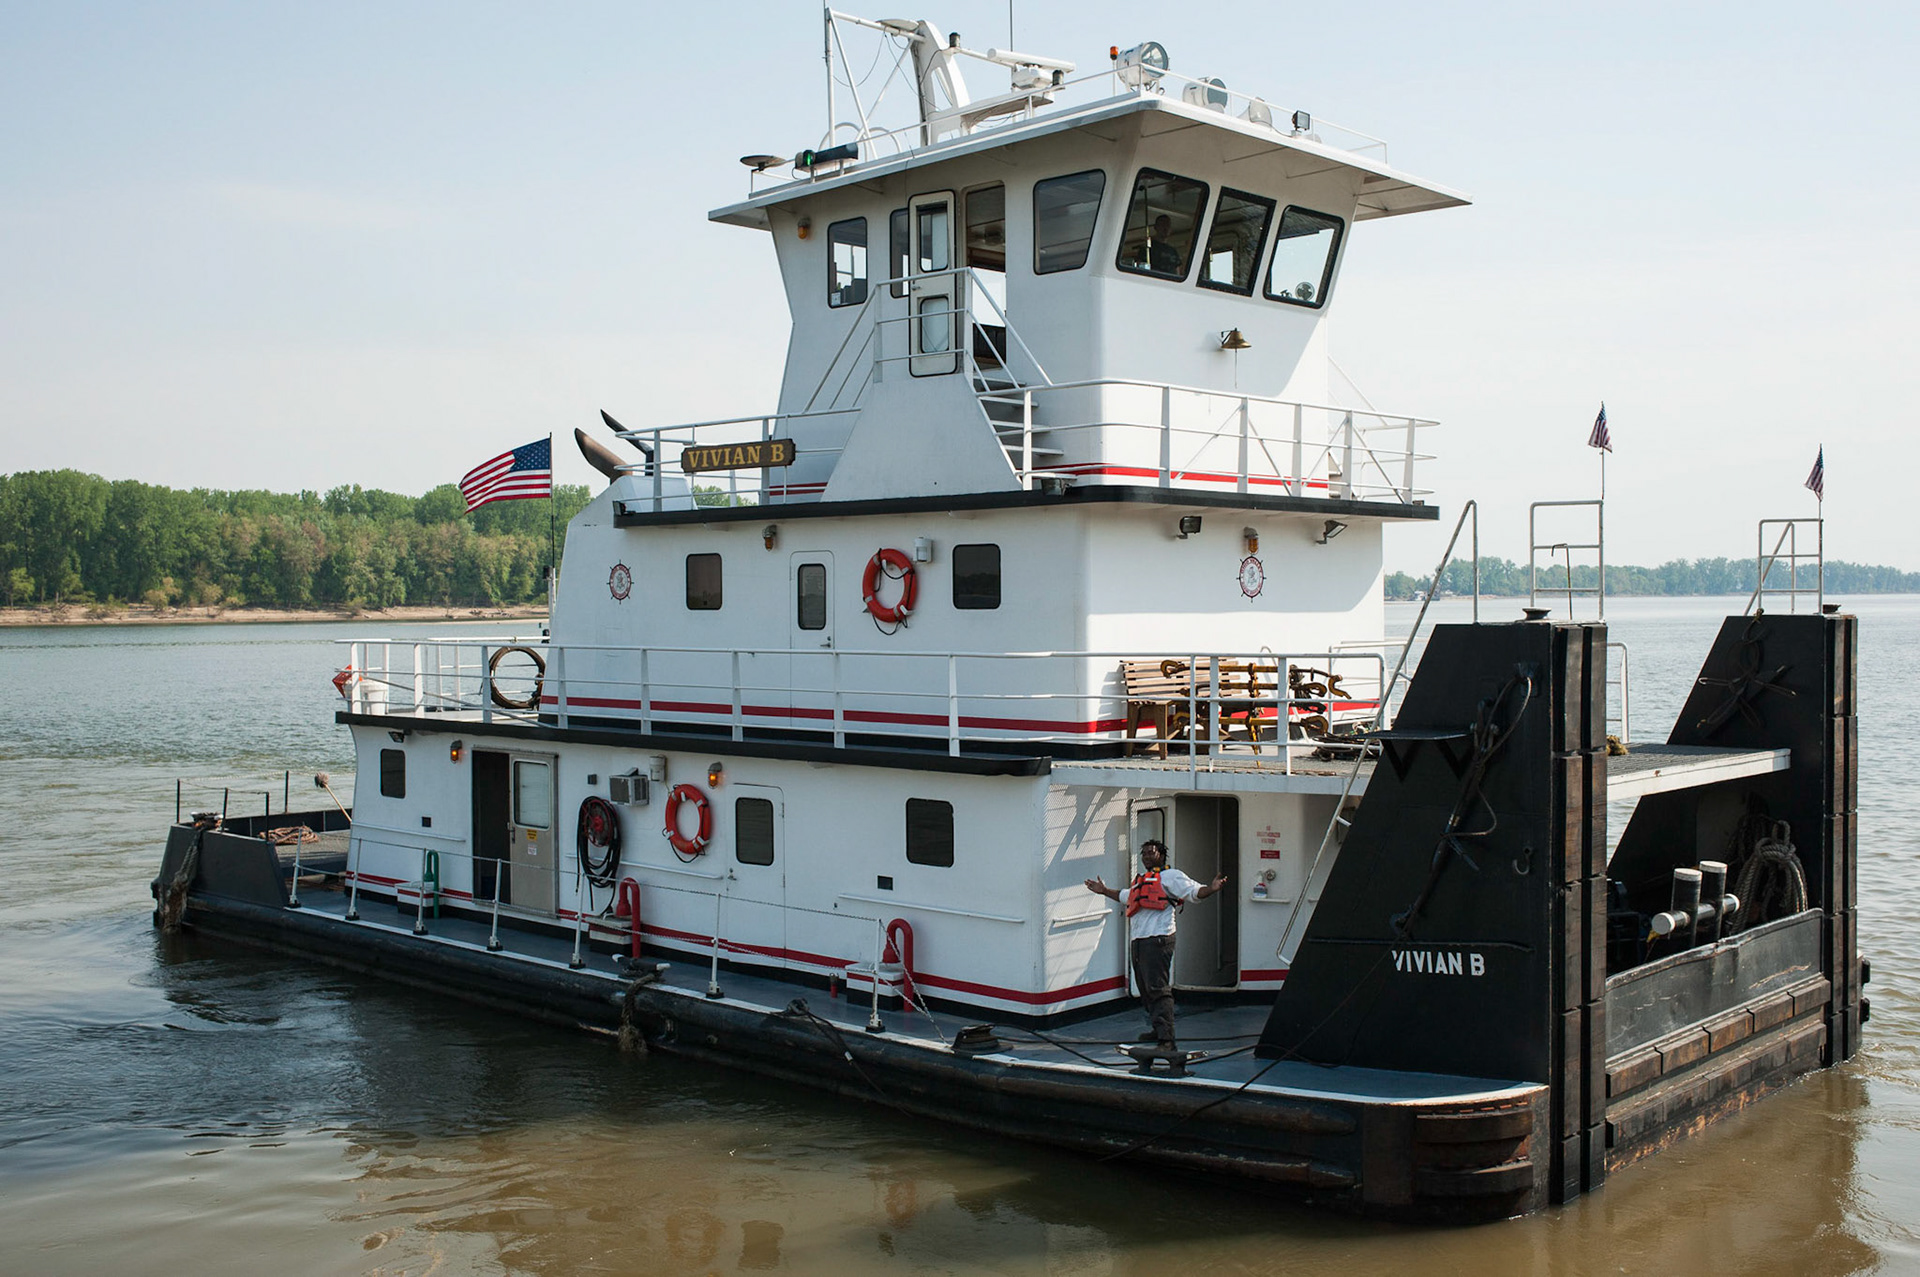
x=954 y=698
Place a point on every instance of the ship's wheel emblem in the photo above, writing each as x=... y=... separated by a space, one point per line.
x=620 y=582
x=1253 y=577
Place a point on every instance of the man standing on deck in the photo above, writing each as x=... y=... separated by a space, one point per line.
x=1151 y=900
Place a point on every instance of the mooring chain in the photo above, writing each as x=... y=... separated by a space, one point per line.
x=1746 y=685
x=1488 y=736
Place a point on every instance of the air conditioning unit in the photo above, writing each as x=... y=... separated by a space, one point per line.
x=630 y=790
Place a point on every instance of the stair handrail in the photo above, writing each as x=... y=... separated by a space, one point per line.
x=1471 y=509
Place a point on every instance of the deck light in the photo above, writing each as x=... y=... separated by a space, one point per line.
x=805 y=227
x=1329 y=531
x=770 y=534
x=1302 y=122
x=1142 y=66
x=1234 y=339
x=396 y=737
x=456 y=749
x=1189 y=524
x=1253 y=539
x=715 y=774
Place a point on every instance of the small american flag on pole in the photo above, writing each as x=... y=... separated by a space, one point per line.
x=1817 y=477
x=523 y=474
x=1599 y=438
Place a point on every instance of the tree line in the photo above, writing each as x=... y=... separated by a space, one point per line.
x=68 y=537
x=1679 y=576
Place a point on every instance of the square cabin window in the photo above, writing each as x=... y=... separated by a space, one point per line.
x=930 y=832
x=810 y=596
x=847 y=262
x=976 y=577
x=987 y=227
x=897 y=250
x=703 y=583
x=1234 y=242
x=1064 y=211
x=1163 y=219
x=393 y=773
x=753 y=831
x=1303 y=255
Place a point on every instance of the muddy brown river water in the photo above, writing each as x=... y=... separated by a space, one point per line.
x=174 y=1104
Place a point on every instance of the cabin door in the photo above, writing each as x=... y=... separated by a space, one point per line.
x=1204 y=845
x=533 y=874
x=810 y=616
x=935 y=290
x=754 y=925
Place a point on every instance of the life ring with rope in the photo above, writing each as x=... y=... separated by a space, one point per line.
x=896 y=565
x=684 y=846
x=500 y=698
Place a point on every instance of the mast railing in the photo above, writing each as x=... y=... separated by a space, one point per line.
x=1786 y=553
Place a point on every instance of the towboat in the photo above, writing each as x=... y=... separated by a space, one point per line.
x=1066 y=535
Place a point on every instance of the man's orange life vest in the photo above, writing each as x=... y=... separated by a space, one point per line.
x=1146 y=893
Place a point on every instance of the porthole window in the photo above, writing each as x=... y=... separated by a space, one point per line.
x=847 y=262
x=930 y=832
x=703 y=583
x=393 y=773
x=753 y=831
x=1304 y=250
x=1234 y=242
x=976 y=577
x=1064 y=212
x=1163 y=220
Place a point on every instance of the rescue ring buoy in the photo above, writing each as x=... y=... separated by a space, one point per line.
x=683 y=846
x=893 y=563
x=500 y=698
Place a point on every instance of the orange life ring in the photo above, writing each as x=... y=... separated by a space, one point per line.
x=909 y=589
x=683 y=846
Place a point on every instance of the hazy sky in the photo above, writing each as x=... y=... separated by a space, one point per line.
x=258 y=245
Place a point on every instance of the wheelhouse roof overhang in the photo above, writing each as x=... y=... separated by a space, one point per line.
x=1382 y=191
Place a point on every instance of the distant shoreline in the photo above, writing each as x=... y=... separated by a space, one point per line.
x=76 y=615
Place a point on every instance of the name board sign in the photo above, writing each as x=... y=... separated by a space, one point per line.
x=738 y=456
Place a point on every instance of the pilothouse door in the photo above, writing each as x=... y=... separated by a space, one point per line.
x=935 y=290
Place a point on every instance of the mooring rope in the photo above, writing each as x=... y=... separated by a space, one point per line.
x=1771 y=884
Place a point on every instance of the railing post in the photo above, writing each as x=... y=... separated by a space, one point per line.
x=420 y=918
x=419 y=680
x=1026 y=436
x=580 y=903
x=874 y=1023
x=559 y=686
x=713 y=977
x=658 y=466
x=1346 y=456
x=1246 y=429
x=646 y=691
x=953 y=705
x=739 y=723
x=486 y=685
x=1299 y=449
x=839 y=705
x=493 y=936
x=353 y=892
x=293 y=887
x=1407 y=473
x=1166 y=436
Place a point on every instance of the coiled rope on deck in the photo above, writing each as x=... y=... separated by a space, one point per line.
x=1771 y=883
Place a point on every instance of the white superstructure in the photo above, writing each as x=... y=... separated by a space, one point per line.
x=1061 y=350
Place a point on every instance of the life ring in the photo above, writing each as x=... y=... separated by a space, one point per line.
x=683 y=846
x=500 y=698
x=902 y=567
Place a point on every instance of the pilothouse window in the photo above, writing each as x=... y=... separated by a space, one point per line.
x=1163 y=219
x=987 y=228
x=1303 y=255
x=1233 y=244
x=847 y=258
x=1064 y=211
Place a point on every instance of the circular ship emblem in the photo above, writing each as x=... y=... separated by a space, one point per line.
x=1252 y=576
x=620 y=582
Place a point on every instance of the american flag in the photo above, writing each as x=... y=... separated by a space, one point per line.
x=1817 y=479
x=1599 y=438
x=524 y=473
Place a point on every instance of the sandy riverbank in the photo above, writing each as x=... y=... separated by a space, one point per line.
x=89 y=615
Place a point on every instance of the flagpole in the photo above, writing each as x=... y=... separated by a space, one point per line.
x=553 y=557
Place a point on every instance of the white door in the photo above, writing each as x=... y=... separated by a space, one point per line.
x=756 y=905
x=935 y=295
x=810 y=635
x=533 y=861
